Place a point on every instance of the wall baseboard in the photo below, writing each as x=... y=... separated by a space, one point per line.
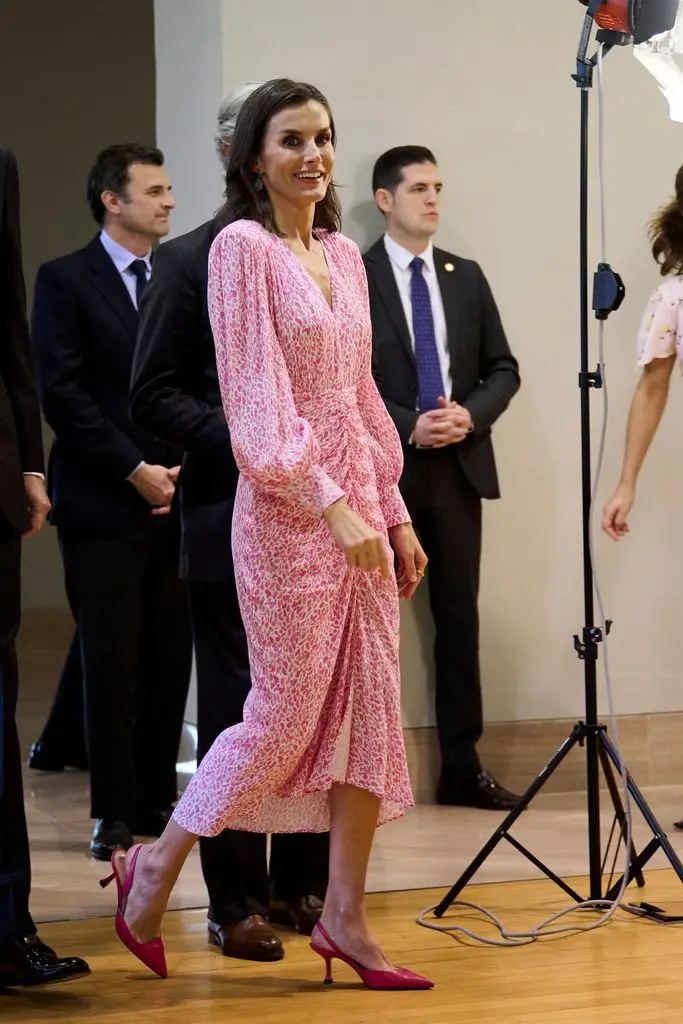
x=652 y=745
x=515 y=752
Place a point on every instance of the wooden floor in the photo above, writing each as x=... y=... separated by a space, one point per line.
x=627 y=972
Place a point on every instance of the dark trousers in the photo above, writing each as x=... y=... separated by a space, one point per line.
x=15 y=863
x=446 y=513
x=235 y=864
x=63 y=736
x=133 y=621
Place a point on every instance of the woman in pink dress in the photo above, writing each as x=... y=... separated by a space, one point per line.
x=318 y=526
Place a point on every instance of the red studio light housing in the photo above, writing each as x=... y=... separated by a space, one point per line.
x=641 y=19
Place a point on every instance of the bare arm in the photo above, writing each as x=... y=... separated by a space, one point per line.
x=647 y=409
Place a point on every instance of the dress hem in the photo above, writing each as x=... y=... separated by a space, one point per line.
x=390 y=810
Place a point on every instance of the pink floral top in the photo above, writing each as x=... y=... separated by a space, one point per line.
x=661 y=329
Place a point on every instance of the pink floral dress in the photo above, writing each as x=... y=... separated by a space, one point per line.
x=307 y=426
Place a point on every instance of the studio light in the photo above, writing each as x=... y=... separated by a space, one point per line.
x=654 y=28
x=638 y=19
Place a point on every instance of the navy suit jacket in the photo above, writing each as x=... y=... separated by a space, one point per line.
x=484 y=371
x=21 y=440
x=84 y=327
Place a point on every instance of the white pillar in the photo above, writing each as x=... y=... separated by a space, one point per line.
x=189 y=78
x=189 y=74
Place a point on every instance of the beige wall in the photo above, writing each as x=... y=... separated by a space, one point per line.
x=488 y=86
x=74 y=77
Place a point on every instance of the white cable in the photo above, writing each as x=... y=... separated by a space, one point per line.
x=610 y=907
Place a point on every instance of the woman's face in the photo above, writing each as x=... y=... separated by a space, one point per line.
x=297 y=157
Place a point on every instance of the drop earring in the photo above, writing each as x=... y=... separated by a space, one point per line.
x=258 y=184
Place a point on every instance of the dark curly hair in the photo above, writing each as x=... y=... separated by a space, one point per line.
x=666 y=232
x=242 y=199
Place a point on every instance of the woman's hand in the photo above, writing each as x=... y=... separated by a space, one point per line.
x=616 y=512
x=412 y=560
x=364 y=547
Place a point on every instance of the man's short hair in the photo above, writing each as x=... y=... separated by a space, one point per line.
x=111 y=172
x=388 y=170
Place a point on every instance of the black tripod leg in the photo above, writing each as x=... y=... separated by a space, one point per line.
x=512 y=817
x=659 y=841
x=619 y=812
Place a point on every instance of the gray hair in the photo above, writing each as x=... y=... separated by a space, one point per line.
x=227 y=117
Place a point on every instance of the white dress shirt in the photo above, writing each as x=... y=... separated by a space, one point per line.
x=400 y=260
x=122 y=260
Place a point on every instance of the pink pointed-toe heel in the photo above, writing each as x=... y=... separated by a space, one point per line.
x=151 y=953
x=398 y=978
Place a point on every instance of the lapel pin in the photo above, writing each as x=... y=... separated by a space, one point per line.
x=449 y=267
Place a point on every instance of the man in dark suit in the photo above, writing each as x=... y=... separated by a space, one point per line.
x=446 y=373
x=176 y=396
x=24 y=959
x=112 y=490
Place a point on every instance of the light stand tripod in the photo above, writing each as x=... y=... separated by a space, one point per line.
x=589 y=734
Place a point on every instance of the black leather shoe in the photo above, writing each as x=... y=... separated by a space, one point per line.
x=108 y=837
x=41 y=760
x=252 y=938
x=152 y=823
x=482 y=792
x=31 y=962
x=679 y=825
x=302 y=915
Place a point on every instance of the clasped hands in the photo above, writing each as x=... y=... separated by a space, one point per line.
x=156 y=484
x=449 y=424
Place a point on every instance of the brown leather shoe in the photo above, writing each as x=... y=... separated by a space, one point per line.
x=482 y=791
x=302 y=915
x=252 y=938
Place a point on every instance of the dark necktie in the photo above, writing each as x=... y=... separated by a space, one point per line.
x=429 y=376
x=139 y=268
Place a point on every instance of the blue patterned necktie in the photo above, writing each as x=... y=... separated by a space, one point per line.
x=139 y=268
x=429 y=376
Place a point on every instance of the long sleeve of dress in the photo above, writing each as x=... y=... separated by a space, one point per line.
x=387 y=452
x=275 y=449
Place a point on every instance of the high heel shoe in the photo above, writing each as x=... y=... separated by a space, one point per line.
x=151 y=953
x=398 y=978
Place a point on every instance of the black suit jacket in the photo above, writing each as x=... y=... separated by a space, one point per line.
x=84 y=327
x=485 y=374
x=175 y=396
x=21 y=443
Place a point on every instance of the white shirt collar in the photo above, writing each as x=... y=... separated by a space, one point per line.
x=122 y=257
x=402 y=258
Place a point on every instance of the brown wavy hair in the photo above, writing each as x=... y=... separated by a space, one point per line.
x=666 y=232
x=242 y=199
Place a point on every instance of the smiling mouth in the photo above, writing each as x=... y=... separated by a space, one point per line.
x=309 y=175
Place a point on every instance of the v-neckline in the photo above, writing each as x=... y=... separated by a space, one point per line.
x=331 y=305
